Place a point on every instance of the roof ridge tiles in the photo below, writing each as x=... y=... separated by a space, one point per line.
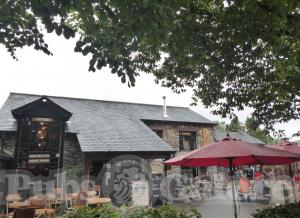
x=96 y=100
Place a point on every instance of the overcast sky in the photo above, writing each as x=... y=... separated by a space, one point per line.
x=66 y=74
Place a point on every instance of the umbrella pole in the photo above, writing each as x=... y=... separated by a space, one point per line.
x=293 y=183
x=232 y=185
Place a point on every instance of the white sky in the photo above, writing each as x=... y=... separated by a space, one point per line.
x=66 y=74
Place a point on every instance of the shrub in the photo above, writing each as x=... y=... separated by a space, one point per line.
x=109 y=211
x=282 y=211
x=75 y=171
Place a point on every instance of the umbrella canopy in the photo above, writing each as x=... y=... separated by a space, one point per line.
x=240 y=152
x=288 y=146
x=293 y=148
x=231 y=152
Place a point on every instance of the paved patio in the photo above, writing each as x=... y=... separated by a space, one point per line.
x=221 y=205
x=224 y=209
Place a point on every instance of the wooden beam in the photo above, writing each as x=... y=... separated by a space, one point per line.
x=85 y=166
x=85 y=172
x=106 y=156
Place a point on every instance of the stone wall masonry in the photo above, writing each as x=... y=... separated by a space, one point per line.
x=8 y=141
x=171 y=136
x=72 y=152
x=171 y=132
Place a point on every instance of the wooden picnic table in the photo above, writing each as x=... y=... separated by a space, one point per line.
x=25 y=205
x=19 y=204
x=97 y=201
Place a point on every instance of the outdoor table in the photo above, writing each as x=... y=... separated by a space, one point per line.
x=53 y=200
x=49 y=212
x=41 y=209
x=97 y=201
x=19 y=204
x=74 y=195
x=91 y=193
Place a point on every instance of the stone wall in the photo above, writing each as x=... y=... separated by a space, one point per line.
x=171 y=135
x=72 y=152
x=8 y=142
x=171 y=132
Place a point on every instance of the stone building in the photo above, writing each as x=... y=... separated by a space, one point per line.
x=47 y=134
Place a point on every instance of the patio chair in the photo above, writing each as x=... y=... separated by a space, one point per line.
x=80 y=201
x=42 y=205
x=97 y=189
x=57 y=196
x=10 y=198
x=69 y=201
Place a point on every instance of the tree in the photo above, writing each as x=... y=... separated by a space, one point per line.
x=221 y=125
x=252 y=127
x=251 y=124
x=232 y=53
x=235 y=125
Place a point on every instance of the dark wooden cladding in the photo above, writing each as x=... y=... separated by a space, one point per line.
x=42 y=108
x=105 y=156
x=32 y=153
x=40 y=136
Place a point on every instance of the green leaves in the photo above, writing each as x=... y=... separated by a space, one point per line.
x=282 y=211
x=244 y=53
x=109 y=211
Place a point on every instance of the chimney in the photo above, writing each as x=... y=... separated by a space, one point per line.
x=165 y=108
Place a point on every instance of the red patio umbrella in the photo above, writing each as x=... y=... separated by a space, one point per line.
x=288 y=146
x=293 y=148
x=231 y=152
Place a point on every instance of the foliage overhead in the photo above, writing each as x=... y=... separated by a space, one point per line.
x=252 y=128
x=234 y=54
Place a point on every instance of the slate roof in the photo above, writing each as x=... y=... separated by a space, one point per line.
x=220 y=134
x=107 y=125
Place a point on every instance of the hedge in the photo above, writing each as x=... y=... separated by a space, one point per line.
x=283 y=211
x=109 y=211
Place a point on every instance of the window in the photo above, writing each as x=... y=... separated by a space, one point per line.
x=187 y=141
x=158 y=132
x=44 y=136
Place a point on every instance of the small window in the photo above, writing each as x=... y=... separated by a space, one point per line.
x=187 y=141
x=159 y=133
